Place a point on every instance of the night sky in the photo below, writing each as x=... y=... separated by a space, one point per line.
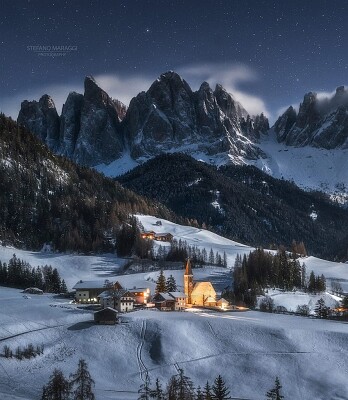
x=268 y=53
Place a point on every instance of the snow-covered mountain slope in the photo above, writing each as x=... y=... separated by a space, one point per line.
x=73 y=267
x=248 y=349
x=310 y=168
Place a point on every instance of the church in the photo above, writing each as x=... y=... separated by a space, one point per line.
x=200 y=293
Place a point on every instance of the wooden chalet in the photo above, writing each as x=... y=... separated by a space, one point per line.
x=88 y=291
x=140 y=295
x=152 y=235
x=171 y=301
x=107 y=316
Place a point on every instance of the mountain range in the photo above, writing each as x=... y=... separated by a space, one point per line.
x=209 y=124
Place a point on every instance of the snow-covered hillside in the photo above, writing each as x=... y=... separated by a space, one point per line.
x=73 y=267
x=248 y=349
x=309 y=167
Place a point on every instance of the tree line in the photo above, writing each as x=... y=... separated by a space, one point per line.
x=48 y=198
x=261 y=269
x=181 y=387
x=79 y=386
x=20 y=274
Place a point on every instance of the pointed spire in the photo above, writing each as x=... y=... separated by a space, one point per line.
x=188 y=269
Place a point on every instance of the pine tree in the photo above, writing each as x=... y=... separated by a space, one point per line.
x=224 y=262
x=312 y=283
x=172 y=388
x=185 y=390
x=171 y=284
x=157 y=393
x=82 y=383
x=207 y=392
x=63 y=288
x=321 y=310
x=58 y=387
x=145 y=391
x=199 y=394
x=211 y=259
x=161 y=283
x=274 y=394
x=219 y=389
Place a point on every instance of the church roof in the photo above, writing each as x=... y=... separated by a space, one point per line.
x=202 y=287
x=188 y=269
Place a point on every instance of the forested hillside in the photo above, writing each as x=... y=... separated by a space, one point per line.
x=243 y=204
x=47 y=198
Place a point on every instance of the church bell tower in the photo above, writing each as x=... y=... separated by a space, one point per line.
x=188 y=281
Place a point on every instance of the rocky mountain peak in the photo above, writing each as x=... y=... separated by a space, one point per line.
x=95 y=129
x=319 y=122
x=42 y=119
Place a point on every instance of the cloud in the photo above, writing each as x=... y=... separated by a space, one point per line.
x=230 y=76
x=123 y=88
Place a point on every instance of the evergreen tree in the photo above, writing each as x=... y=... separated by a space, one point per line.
x=224 y=262
x=157 y=393
x=161 y=283
x=172 y=388
x=145 y=391
x=185 y=390
x=63 y=288
x=321 y=310
x=207 y=392
x=211 y=259
x=219 y=390
x=345 y=302
x=274 y=393
x=199 y=394
x=312 y=283
x=171 y=284
x=82 y=383
x=58 y=387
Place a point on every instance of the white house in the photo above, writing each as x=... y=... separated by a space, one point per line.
x=120 y=300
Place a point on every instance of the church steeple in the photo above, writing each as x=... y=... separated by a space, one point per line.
x=188 y=269
x=188 y=281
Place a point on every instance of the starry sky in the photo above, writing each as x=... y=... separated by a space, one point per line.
x=267 y=53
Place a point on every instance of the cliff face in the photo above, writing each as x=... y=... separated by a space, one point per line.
x=42 y=119
x=95 y=129
x=319 y=123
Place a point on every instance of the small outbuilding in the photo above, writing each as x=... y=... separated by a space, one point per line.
x=33 y=290
x=222 y=303
x=106 y=316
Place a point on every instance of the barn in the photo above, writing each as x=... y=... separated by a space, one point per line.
x=106 y=316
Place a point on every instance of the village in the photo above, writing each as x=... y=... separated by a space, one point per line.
x=111 y=299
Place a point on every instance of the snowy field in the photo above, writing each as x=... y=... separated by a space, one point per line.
x=248 y=349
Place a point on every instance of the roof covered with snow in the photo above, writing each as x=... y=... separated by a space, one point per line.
x=89 y=285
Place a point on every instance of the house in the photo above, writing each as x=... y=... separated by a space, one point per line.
x=152 y=235
x=171 y=301
x=180 y=300
x=120 y=300
x=88 y=291
x=164 y=301
x=140 y=295
x=222 y=303
x=107 y=316
x=148 y=235
x=200 y=293
x=163 y=237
